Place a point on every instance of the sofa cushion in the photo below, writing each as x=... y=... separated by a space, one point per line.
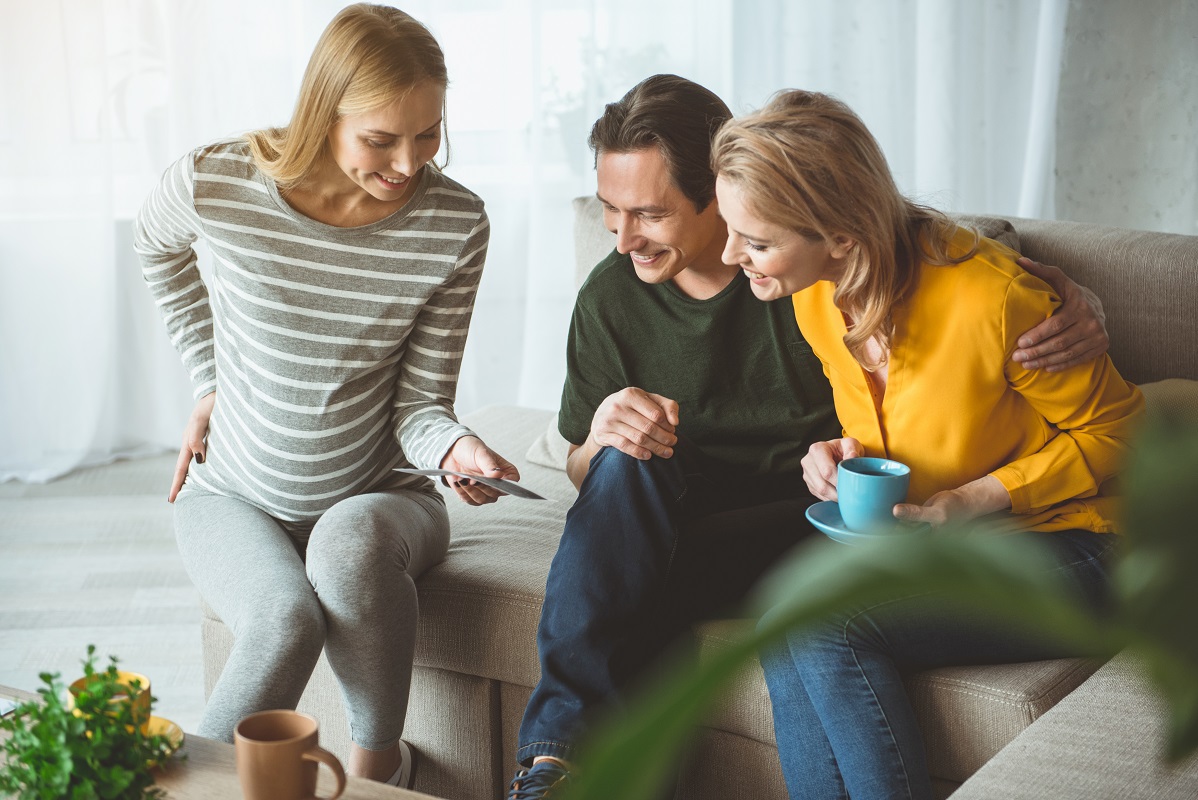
x=550 y=449
x=997 y=228
x=1176 y=398
x=480 y=607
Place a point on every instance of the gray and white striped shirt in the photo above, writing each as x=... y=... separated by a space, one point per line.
x=334 y=351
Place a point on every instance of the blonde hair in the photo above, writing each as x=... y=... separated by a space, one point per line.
x=367 y=57
x=806 y=163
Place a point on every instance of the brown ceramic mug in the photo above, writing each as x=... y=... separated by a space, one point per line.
x=277 y=756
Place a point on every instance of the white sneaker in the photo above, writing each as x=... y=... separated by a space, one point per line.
x=405 y=776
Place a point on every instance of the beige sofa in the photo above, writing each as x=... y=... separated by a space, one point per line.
x=476 y=659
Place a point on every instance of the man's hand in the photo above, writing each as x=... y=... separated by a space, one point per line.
x=1076 y=333
x=974 y=499
x=631 y=420
x=469 y=454
x=637 y=423
x=821 y=461
x=195 y=442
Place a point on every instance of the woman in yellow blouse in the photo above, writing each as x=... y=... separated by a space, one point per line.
x=915 y=321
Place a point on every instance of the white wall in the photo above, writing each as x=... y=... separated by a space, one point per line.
x=1127 y=119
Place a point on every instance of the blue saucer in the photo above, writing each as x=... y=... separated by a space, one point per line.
x=826 y=517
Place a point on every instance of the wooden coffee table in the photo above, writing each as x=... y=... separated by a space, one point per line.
x=210 y=772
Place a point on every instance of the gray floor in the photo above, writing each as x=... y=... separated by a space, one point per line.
x=90 y=558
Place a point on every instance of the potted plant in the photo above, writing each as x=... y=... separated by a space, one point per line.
x=96 y=745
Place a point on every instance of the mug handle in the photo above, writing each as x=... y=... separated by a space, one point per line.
x=320 y=755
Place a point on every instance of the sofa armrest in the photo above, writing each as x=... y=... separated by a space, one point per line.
x=1105 y=740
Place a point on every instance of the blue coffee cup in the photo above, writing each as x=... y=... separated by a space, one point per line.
x=867 y=489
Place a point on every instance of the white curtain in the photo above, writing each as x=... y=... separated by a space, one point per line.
x=98 y=96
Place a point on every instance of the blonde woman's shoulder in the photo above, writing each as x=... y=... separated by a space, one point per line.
x=230 y=157
x=985 y=276
x=447 y=194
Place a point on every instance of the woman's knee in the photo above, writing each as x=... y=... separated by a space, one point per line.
x=351 y=534
x=294 y=618
x=809 y=647
x=1082 y=562
x=373 y=534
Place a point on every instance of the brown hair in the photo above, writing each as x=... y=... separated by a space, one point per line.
x=367 y=57
x=806 y=163
x=677 y=116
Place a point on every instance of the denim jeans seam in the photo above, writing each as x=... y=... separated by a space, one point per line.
x=1079 y=562
x=992 y=697
x=889 y=728
x=789 y=656
x=674 y=545
x=906 y=773
x=860 y=612
x=560 y=750
x=552 y=742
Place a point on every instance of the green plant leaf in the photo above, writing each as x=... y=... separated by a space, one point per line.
x=53 y=754
x=1154 y=585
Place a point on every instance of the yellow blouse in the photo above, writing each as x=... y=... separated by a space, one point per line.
x=956 y=407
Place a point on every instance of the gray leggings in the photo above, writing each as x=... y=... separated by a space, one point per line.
x=355 y=598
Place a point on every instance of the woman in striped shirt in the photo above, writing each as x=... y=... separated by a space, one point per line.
x=324 y=349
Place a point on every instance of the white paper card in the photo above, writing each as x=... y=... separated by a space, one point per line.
x=507 y=487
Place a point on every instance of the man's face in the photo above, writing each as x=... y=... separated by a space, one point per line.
x=654 y=222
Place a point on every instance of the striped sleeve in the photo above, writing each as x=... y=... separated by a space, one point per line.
x=425 y=424
x=164 y=233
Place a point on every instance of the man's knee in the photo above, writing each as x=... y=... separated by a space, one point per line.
x=612 y=470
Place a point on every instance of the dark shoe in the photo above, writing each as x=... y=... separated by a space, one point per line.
x=540 y=781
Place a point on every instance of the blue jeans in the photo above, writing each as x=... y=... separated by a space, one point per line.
x=844 y=724
x=648 y=548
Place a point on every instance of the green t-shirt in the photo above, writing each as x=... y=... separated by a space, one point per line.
x=749 y=389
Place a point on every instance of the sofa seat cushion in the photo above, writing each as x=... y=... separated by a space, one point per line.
x=479 y=609
x=1175 y=398
x=969 y=714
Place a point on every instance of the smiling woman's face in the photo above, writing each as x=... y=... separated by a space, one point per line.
x=383 y=150
x=777 y=261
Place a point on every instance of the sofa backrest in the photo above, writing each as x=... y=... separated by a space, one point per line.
x=1148 y=282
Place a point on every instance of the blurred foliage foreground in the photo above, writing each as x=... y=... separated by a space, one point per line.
x=1155 y=600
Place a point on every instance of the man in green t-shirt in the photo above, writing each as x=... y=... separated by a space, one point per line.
x=688 y=404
